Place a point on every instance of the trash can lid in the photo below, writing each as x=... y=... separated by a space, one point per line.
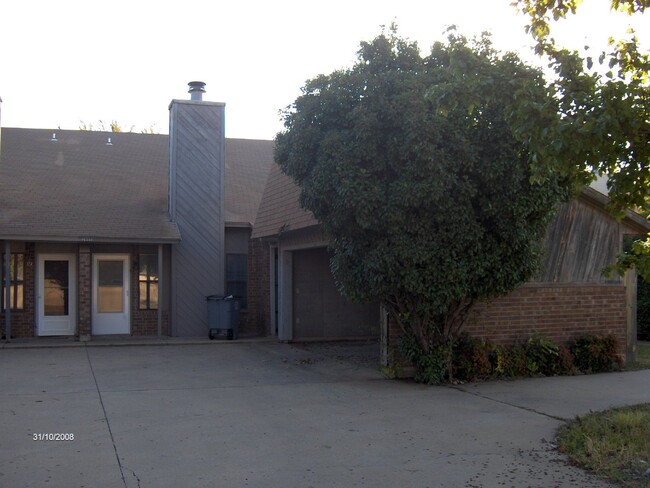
x=214 y=298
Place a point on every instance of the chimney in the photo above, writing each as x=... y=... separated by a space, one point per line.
x=196 y=91
x=196 y=204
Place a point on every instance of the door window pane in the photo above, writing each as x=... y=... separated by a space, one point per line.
x=16 y=278
x=110 y=289
x=148 y=281
x=55 y=288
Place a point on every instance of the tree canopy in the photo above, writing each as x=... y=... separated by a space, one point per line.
x=605 y=113
x=605 y=125
x=419 y=172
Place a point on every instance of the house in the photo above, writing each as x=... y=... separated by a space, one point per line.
x=112 y=233
x=569 y=297
x=116 y=233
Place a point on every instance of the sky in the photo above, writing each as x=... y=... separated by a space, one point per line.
x=68 y=62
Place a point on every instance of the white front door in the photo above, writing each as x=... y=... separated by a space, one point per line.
x=110 y=310
x=57 y=293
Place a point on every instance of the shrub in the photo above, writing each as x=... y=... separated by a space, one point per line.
x=566 y=361
x=542 y=356
x=431 y=367
x=510 y=362
x=595 y=354
x=471 y=358
x=474 y=358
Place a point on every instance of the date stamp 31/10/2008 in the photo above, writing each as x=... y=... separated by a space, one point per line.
x=51 y=436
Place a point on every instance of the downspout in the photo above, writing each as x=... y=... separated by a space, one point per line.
x=160 y=289
x=8 y=290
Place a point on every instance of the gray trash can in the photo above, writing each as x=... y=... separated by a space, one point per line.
x=223 y=317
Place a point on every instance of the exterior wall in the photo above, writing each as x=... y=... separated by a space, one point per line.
x=143 y=322
x=559 y=312
x=259 y=320
x=236 y=241
x=579 y=243
x=196 y=201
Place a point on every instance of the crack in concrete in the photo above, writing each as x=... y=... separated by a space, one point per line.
x=108 y=424
x=520 y=407
x=137 y=480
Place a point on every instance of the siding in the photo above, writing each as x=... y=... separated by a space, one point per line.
x=196 y=204
x=580 y=242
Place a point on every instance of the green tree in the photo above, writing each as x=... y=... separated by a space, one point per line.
x=417 y=172
x=604 y=104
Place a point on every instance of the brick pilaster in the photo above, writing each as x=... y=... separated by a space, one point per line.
x=85 y=291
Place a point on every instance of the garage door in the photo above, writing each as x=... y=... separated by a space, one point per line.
x=319 y=310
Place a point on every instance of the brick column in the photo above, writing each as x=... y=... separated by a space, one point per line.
x=85 y=290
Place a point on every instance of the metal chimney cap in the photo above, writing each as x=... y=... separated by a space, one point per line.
x=197 y=89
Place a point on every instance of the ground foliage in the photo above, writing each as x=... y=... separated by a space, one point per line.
x=479 y=358
x=614 y=444
x=419 y=170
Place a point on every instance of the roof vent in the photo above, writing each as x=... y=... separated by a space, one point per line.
x=54 y=139
x=109 y=143
x=196 y=91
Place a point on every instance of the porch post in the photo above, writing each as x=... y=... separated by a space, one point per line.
x=160 y=288
x=8 y=290
x=630 y=281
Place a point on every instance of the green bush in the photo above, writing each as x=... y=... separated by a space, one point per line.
x=595 y=354
x=475 y=358
x=510 y=362
x=471 y=358
x=542 y=356
x=431 y=368
x=566 y=361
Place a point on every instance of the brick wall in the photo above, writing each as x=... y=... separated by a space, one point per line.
x=560 y=313
x=257 y=321
x=84 y=291
x=22 y=321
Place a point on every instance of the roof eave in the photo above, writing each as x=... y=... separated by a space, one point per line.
x=90 y=239
x=240 y=225
x=631 y=218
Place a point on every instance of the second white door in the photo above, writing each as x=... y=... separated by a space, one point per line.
x=110 y=310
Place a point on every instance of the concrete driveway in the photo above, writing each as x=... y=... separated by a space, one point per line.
x=277 y=415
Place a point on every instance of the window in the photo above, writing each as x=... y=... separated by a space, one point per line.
x=17 y=284
x=148 y=281
x=237 y=277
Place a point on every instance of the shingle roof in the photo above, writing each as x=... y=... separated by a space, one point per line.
x=78 y=188
x=248 y=162
x=280 y=208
